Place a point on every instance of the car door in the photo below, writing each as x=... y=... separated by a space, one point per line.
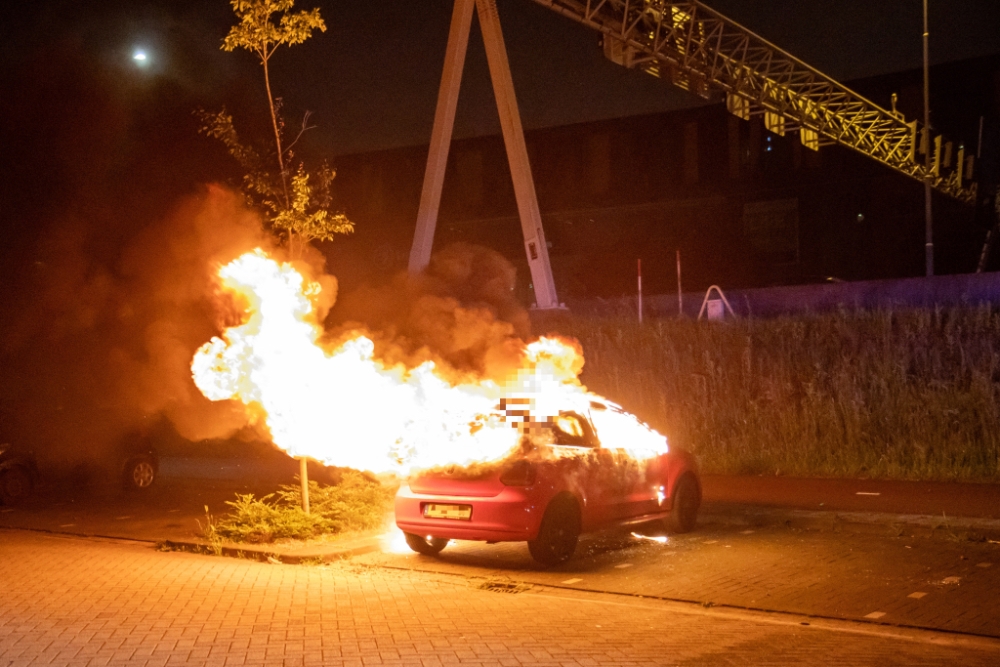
x=584 y=470
x=631 y=492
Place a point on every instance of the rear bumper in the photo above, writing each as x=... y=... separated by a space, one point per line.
x=511 y=516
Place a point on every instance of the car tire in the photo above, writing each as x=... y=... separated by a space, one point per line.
x=428 y=546
x=684 y=508
x=558 y=534
x=15 y=485
x=139 y=473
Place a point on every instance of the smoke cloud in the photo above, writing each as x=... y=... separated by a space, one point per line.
x=98 y=351
x=460 y=313
x=107 y=281
x=95 y=351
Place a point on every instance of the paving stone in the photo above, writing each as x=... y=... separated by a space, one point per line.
x=809 y=572
x=54 y=587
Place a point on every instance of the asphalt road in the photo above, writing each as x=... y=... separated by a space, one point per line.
x=76 y=601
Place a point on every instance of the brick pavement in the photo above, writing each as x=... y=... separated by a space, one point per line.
x=830 y=574
x=66 y=601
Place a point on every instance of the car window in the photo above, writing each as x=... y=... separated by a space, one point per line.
x=569 y=429
x=620 y=430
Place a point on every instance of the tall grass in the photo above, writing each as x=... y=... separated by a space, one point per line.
x=911 y=394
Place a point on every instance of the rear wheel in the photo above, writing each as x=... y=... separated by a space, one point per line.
x=140 y=473
x=558 y=533
x=15 y=485
x=684 y=510
x=428 y=546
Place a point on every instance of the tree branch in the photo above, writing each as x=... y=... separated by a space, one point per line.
x=302 y=130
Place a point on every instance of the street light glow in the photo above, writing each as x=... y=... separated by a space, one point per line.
x=140 y=58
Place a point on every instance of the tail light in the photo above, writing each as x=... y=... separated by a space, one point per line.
x=519 y=473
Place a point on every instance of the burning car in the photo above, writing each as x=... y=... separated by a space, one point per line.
x=573 y=463
x=588 y=467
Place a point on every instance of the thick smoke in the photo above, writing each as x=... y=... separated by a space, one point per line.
x=107 y=283
x=94 y=352
x=461 y=313
x=97 y=352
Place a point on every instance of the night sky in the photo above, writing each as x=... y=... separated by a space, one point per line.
x=372 y=78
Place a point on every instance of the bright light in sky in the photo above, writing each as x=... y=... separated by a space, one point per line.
x=140 y=57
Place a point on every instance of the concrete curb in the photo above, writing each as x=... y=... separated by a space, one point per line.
x=310 y=554
x=960 y=528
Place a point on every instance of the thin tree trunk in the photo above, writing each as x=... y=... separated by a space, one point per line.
x=304 y=482
x=277 y=133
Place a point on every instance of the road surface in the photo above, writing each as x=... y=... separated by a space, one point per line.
x=76 y=601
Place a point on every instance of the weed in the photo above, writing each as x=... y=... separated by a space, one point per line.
x=314 y=561
x=211 y=534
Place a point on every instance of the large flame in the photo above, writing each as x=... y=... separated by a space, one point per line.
x=343 y=407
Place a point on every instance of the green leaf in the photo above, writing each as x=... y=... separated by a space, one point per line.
x=296 y=205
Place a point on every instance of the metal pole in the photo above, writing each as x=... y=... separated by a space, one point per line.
x=304 y=480
x=928 y=214
x=444 y=123
x=535 y=245
x=680 y=294
x=640 y=291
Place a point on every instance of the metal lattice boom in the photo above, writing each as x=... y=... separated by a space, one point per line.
x=699 y=50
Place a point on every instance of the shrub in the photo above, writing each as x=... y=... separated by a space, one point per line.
x=357 y=502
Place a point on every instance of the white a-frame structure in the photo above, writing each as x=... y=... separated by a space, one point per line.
x=513 y=135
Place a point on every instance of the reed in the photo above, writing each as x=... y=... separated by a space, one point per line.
x=907 y=394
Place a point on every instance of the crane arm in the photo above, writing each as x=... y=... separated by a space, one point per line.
x=702 y=51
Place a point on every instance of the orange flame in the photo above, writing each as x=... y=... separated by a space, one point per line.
x=343 y=407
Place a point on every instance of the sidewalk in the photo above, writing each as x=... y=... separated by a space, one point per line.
x=170 y=514
x=971 y=501
x=972 y=510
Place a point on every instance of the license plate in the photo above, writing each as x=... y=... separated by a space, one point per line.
x=458 y=512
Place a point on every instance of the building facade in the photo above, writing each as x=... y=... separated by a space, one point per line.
x=744 y=207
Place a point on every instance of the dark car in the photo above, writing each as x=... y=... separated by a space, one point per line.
x=18 y=474
x=131 y=464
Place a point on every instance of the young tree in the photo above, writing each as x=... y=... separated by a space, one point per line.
x=296 y=202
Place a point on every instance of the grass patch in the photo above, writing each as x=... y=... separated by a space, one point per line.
x=909 y=394
x=356 y=503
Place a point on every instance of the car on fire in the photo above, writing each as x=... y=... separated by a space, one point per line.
x=563 y=481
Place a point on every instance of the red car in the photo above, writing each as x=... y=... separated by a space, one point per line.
x=573 y=474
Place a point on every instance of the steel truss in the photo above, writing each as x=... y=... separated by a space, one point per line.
x=699 y=50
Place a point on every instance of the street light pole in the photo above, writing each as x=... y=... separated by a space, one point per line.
x=928 y=214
